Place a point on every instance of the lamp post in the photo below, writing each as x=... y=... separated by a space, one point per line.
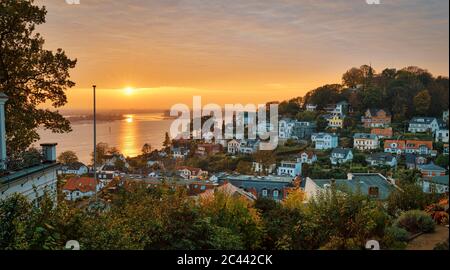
x=95 y=142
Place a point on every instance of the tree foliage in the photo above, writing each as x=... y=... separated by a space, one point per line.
x=30 y=75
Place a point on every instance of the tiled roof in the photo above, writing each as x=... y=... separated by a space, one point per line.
x=343 y=151
x=82 y=184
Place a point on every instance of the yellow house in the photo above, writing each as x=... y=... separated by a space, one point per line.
x=336 y=121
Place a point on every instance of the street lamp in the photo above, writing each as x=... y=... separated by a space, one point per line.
x=95 y=142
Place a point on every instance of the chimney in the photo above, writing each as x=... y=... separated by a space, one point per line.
x=3 y=99
x=49 y=152
x=349 y=176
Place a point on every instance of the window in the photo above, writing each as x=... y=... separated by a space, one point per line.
x=276 y=193
x=264 y=192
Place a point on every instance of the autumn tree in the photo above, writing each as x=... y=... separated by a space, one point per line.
x=67 y=157
x=102 y=150
x=422 y=102
x=30 y=75
x=146 y=149
x=352 y=77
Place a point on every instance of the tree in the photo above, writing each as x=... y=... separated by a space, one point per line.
x=167 y=141
x=295 y=199
x=244 y=167
x=442 y=161
x=102 y=151
x=67 y=157
x=146 y=149
x=352 y=77
x=30 y=75
x=422 y=102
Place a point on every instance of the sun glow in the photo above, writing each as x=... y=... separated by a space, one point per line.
x=128 y=91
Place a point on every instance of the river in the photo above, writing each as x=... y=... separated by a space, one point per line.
x=128 y=135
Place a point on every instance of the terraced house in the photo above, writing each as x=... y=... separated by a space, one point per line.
x=409 y=146
x=376 y=118
x=365 y=141
x=324 y=141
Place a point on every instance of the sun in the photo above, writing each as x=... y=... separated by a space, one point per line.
x=128 y=91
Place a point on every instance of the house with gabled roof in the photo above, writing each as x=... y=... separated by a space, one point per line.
x=365 y=141
x=430 y=170
x=381 y=159
x=420 y=147
x=435 y=184
x=374 y=185
x=376 y=118
x=81 y=187
x=77 y=168
x=341 y=155
x=424 y=124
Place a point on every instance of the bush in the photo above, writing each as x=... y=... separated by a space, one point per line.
x=397 y=234
x=415 y=221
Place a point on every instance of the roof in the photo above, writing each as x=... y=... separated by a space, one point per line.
x=386 y=157
x=228 y=189
x=422 y=120
x=73 y=166
x=442 y=180
x=268 y=178
x=382 y=131
x=410 y=144
x=17 y=175
x=3 y=95
x=82 y=184
x=374 y=112
x=431 y=167
x=367 y=136
x=343 y=151
x=192 y=169
x=309 y=153
x=321 y=135
x=361 y=182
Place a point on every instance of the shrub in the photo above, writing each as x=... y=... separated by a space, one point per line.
x=415 y=221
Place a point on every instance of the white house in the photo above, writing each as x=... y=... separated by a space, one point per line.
x=423 y=124
x=381 y=159
x=441 y=135
x=31 y=182
x=436 y=184
x=445 y=116
x=324 y=141
x=292 y=168
x=260 y=168
x=285 y=127
x=233 y=147
x=341 y=155
x=307 y=157
x=191 y=173
x=76 y=168
x=365 y=141
x=249 y=146
x=180 y=152
x=311 y=107
x=78 y=188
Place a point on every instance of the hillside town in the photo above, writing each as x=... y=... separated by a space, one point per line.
x=359 y=164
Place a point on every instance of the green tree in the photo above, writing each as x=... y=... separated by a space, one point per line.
x=67 y=157
x=442 y=160
x=353 y=77
x=30 y=75
x=422 y=102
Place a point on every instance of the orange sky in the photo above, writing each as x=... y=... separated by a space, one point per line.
x=234 y=51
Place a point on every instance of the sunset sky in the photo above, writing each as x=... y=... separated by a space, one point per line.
x=236 y=51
